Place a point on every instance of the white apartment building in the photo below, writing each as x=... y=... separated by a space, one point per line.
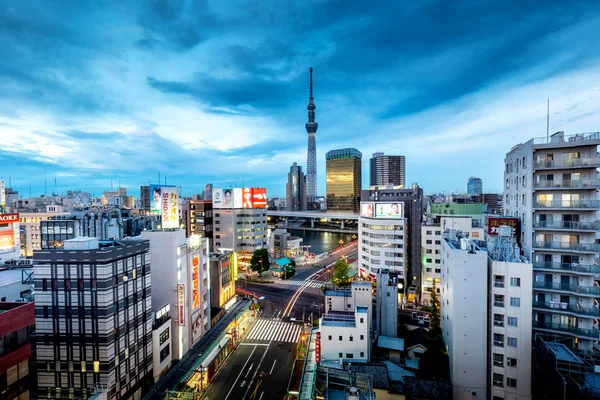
x=431 y=247
x=382 y=242
x=359 y=294
x=552 y=185
x=93 y=319
x=345 y=336
x=181 y=280
x=161 y=342
x=486 y=319
x=31 y=234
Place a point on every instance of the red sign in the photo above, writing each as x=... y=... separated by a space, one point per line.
x=195 y=283
x=494 y=224
x=181 y=304
x=254 y=198
x=318 y=347
x=7 y=239
x=9 y=218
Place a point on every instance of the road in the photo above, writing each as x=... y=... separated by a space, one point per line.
x=261 y=366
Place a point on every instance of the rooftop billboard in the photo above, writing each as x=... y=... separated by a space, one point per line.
x=389 y=210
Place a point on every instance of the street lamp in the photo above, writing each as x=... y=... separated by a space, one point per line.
x=341 y=242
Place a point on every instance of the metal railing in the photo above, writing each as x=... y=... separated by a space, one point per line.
x=565 y=138
x=559 y=306
x=591 y=247
x=567 y=287
x=566 y=225
x=591 y=333
x=574 y=163
x=571 y=267
x=568 y=183
x=592 y=204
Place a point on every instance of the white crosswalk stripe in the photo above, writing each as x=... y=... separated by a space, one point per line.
x=277 y=331
x=291 y=282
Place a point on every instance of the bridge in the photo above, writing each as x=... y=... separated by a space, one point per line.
x=312 y=215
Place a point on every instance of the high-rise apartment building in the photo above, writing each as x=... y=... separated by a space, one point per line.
x=552 y=185
x=93 y=318
x=474 y=185
x=408 y=242
x=295 y=189
x=485 y=310
x=311 y=160
x=208 y=191
x=344 y=179
x=387 y=170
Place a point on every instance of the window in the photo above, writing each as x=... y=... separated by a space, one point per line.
x=498 y=320
x=349 y=355
x=512 y=321
x=362 y=320
x=44 y=284
x=340 y=338
x=330 y=337
x=96 y=367
x=498 y=380
x=498 y=340
x=511 y=362
x=515 y=282
x=164 y=353
x=510 y=382
x=511 y=342
x=340 y=355
x=351 y=339
x=515 y=301
x=498 y=300
x=498 y=360
x=362 y=337
x=499 y=281
x=83 y=367
x=164 y=336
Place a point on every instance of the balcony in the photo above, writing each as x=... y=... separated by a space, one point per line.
x=566 y=308
x=567 y=225
x=568 y=184
x=567 y=287
x=567 y=267
x=586 y=162
x=567 y=246
x=568 y=204
x=572 y=330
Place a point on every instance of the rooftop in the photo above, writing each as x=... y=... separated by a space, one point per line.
x=10 y=276
x=391 y=343
x=338 y=319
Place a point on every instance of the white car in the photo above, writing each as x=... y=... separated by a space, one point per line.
x=261 y=298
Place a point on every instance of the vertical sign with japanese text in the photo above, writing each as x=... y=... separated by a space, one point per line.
x=181 y=304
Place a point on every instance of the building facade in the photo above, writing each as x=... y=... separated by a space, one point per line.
x=345 y=336
x=388 y=285
x=474 y=185
x=30 y=228
x=222 y=284
x=552 y=186
x=161 y=342
x=295 y=189
x=344 y=179
x=199 y=219
x=387 y=170
x=93 y=318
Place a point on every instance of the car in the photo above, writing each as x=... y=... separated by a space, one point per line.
x=261 y=298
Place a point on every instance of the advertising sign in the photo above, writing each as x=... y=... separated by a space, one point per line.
x=237 y=198
x=7 y=239
x=247 y=198
x=9 y=218
x=223 y=198
x=494 y=223
x=259 y=198
x=195 y=282
x=2 y=194
x=366 y=209
x=389 y=210
x=318 y=348
x=181 y=304
x=169 y=207
x=155 y=199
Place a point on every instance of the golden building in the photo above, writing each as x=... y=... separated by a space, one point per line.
x=344 y=179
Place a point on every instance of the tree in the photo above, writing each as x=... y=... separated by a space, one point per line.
x=260 y=261
x=435 y=324
x=340 y=272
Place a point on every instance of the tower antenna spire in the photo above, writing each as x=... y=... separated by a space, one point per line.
x=311 y=94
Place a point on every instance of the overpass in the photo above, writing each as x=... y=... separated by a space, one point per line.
x=312 y=215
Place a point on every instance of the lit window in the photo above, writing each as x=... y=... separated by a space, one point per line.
x=97 y=367
x=83 y=367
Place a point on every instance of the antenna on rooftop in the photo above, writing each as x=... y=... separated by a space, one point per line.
x=548 y=121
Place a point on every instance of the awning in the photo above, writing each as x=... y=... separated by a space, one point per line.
x=213 y=354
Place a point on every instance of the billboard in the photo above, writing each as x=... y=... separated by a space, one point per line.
x=7 y=239
x=9 y=218
x=155 y=199
x=181 y=304
x=195 y=282
x=237 y=198
x=223 y=198
x=389 y=210
x=494 y=223
x=169 y=207
x=254 y=198
x=2 y=194
x=366 y=209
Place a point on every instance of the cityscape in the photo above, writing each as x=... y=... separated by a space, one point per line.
x=170 y=230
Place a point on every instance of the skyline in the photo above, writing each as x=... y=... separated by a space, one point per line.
x=92 y=92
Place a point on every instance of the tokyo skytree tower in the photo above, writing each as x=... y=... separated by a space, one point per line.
x=311 y=163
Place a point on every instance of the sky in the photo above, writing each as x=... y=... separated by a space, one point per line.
x=216 y=91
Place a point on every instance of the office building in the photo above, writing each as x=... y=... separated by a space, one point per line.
x=93 y=318
x=181 y=279
x=10 y=239
x=222 y=284
x=551 y=185
x=311 y=158
x=144 y=199
x=17 y=321
x=474 y=186
x=387 y=170
x=161 y=342
x=485 y=310
x=344 y=179
x=492 y=200
x=431 y=244
x=208 y=188
x=30 y=231
x=199 y=219
x=387 y=302
x=295 y=189
x=283 y=244
x=404 y=230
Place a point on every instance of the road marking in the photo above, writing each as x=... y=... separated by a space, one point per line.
x=274 y=362
x=256 y=371
x=240 y=374
x=261 y=395
x=254 y=344
x=249 y=369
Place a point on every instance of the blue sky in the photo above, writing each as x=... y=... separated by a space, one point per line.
x=214 y=91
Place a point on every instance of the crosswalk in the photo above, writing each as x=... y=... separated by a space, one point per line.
x=274 y=329
x=292 y=282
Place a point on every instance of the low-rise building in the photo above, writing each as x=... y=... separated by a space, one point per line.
x=222 y=284
x=345 y=335
x=388 y=288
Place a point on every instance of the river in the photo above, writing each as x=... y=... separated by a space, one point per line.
x=322 y=242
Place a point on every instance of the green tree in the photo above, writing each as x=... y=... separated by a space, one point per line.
x=260 y=261
x=435 y=323
x=340 y=272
